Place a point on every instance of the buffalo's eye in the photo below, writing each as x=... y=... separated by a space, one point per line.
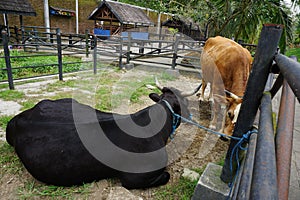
x=230 y=114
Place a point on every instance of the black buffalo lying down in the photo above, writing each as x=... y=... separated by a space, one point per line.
x=66 y=143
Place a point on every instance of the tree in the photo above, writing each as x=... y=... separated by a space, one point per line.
x=230 y=18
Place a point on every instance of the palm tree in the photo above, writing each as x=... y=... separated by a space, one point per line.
x=237 y=19
x=244 y=19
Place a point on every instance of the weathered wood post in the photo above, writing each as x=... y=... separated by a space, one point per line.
x=7 y=60
x=59 y=54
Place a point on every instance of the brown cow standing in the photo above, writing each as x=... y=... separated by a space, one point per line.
x=226 y=65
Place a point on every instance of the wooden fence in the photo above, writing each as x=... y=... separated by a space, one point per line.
x=170 y=51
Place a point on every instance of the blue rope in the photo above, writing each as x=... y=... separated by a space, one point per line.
x=190 y=121
x=236 y=148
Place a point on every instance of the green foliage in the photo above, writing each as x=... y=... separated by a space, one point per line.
x=26 y=64
x=294 y=52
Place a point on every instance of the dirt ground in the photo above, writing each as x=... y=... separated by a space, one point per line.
x=191 y=148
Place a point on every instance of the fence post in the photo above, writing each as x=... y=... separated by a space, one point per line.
x=87 y=43
x=128 y=48
x=35 y=33
x=121 y=53
x=59 y=54
x=176 y=43
x=265 y=51
x=7 y=60
x=95 y=54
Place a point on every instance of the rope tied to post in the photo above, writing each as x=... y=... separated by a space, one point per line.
x=235 y=151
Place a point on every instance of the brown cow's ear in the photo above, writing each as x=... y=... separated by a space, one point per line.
x=233 y=100
x=154 y=97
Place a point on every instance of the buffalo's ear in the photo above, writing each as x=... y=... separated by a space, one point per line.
x=154 y=97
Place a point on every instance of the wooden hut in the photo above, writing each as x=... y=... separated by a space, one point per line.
x=185 y=26
x=114 y=17
x=16 y=7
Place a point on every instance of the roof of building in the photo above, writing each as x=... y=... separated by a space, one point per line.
x=124 y=13
x=179 y=21
x=17 y=7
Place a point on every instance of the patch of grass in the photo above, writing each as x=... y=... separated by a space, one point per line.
x=9 y=162
x=182 y=190
x=11 y=95
x=28 y=104
x=293 y=52
x=33 y=189
x=35 y=64
x=4 y=120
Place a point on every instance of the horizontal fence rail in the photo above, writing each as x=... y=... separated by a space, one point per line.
x=169 y=51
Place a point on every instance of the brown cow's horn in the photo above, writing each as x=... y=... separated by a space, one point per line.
x=232 y=95
x=158 y=84
x=190 y=93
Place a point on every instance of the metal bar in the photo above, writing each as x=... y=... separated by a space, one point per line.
x=266 y=49
x=7 y=61
x=264 y=178
x=277 y=85
x=246 y=175
x=284 y=140
x=291 y=72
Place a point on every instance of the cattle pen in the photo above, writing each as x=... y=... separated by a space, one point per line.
x=265 y=171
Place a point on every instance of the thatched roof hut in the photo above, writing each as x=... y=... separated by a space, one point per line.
x=16 y=7
x=116 y=16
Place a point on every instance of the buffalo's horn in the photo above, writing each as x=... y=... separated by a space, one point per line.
x=232 y=95
x=190 y=93
x=158 y=84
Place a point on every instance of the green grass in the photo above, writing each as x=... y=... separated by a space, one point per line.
x=36 y=62
x=9 y=162
x=182 y=190
x=11 y=95
x=103 y=87
x=294 y=52
x=4 y=120
x=33 y=189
